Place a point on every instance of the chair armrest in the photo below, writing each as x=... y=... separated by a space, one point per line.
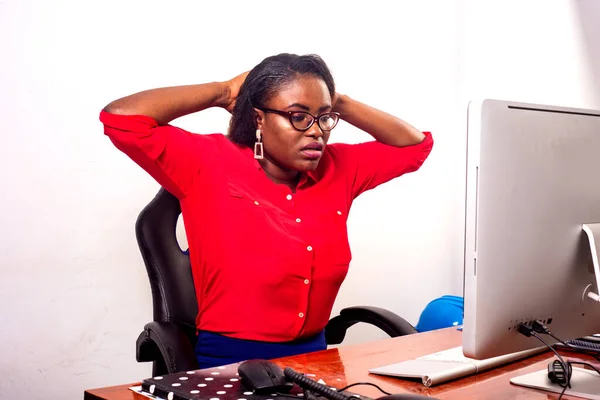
x=168 y=346
x=387 y=321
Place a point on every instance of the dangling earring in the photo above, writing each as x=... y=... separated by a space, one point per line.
x=258 y=146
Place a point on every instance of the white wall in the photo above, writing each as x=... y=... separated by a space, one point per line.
x=73 y=288
x=533 y=51
x=469 y=49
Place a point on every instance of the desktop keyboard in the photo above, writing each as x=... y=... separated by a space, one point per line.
x=584 y=345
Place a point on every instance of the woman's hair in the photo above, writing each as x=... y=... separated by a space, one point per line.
x=262 y=82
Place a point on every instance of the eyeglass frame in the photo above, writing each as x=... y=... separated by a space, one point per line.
x=314 y=118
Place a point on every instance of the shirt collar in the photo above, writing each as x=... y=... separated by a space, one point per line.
x=309 y=177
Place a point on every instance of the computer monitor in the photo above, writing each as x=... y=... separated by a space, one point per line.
x=533 y=185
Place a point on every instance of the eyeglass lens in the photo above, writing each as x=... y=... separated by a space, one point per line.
x=303 y=121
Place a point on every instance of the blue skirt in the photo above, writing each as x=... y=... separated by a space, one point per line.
x=214 y=350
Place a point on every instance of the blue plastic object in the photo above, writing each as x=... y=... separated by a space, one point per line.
x=443 y=312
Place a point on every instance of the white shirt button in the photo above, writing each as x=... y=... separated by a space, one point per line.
x=256 y=202
x=289 y=197
x=301 y=315
x=339 y=213
x=306 y=281
x=298 y=220
x=309 y=248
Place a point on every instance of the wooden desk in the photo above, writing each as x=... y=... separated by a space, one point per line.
x=345 y=365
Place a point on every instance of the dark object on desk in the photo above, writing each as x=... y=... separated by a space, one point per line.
x=583 y=345
x=311 y=386
x=169 y=340
x=556 y=372
x=263 y=376
x=223 y=383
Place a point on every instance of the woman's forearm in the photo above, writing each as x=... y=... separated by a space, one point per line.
x=382 y=126
x=169 y=103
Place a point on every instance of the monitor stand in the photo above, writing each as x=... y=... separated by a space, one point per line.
x=585 y=383
x=593 y=234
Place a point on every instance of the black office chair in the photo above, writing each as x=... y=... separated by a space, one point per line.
x=169 y=340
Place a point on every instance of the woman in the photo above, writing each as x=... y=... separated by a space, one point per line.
x=264 y=207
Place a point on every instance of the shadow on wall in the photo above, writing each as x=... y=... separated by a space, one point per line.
x=589 y=15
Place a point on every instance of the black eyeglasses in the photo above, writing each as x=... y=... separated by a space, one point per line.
x=303 y=120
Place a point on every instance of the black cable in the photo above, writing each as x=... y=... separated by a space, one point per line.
x=364 y=383
x=309 y=395
x=307 y=383
x=562 y=393
x=538 y=337
x=539 y=327
x=529 y=331
x=311 y=386
x=542 y=328
x=291 y=396
x=566 y=366
x=586 y=365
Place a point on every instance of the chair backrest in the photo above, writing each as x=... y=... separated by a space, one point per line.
x=168 y=266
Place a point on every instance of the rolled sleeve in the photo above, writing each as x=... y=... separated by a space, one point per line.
x=372 y=163
x=169 y=154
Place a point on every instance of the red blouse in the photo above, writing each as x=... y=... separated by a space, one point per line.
x=267 y=263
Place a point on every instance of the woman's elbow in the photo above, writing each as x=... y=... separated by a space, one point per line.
x=123 y=106
x=115 y=108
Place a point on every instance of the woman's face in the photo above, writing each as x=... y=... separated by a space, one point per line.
x=285 y=147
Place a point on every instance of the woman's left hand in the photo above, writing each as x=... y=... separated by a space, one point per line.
x=334 y=101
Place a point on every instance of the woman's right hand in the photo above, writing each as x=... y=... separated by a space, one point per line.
x=233 y=88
